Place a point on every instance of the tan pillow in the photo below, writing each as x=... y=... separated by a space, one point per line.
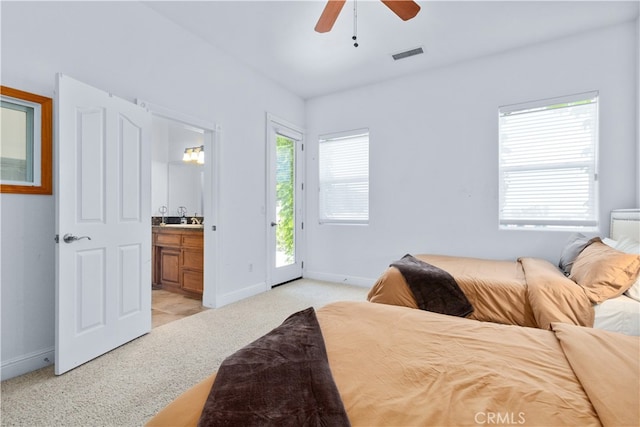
x=604 y=272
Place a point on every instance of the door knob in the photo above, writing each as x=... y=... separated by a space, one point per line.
x=273 y=224
x=68 y=238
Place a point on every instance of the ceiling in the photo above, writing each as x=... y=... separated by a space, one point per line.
x=277 y=38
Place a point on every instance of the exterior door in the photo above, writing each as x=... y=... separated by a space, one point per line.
x=285 y=221
x=103 y=221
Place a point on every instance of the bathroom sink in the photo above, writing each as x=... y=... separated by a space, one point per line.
x=184 y=225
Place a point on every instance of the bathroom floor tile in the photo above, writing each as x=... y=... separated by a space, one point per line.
x=168 y=306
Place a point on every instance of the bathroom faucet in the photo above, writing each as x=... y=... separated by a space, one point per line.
x=195 y=220
x=181 y=211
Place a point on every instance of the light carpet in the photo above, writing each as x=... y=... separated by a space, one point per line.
x=130 y=384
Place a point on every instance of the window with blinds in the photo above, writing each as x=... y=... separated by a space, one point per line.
x=548 y=163
x=344 y=177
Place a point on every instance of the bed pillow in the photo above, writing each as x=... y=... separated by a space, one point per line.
x=574 y=246
x=604 y=272
x=630 y=246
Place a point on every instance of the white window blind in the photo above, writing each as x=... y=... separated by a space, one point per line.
x=548 y=163
x=344 y=177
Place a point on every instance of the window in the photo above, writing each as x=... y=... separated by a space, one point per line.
x=25 y=149
x=548 y=163
x=344 y=177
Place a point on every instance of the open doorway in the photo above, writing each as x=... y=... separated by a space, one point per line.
x=177 y=190
x=183 y=189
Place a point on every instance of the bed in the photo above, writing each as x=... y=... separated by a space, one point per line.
x=390 y=365
x=596 y=283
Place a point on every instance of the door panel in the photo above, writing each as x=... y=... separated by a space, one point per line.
x=130 y=262
x=91 y=300
x=285 y=213
x=130 y=151
x=90 y=146
x=103 y=277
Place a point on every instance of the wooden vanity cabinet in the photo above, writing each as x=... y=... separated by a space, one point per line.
x=178 y=260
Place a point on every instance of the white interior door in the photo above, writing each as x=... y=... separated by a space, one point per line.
x=103 y=277
x=285 y=191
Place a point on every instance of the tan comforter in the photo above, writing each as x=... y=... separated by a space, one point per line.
x=528 y=292
x=395 y=366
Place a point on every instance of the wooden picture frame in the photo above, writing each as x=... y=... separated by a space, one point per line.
x=42 y=163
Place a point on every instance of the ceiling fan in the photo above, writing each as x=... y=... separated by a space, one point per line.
x=405 y=9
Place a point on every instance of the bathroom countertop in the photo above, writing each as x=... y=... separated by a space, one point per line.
x=195 y=227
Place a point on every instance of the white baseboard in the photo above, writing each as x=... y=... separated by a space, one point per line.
x=238 y=295
x=364 y=282
x=27 y=363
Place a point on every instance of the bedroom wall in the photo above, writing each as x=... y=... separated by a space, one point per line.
x=434 y=153
x=128 y=49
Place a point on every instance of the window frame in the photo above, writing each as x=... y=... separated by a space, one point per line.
x=591 y=223
x=333 y=137
x=42 y=142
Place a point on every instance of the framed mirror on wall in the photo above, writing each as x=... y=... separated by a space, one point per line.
x=25 y=142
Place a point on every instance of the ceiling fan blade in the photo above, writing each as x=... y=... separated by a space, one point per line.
x=405 y=9
x=329 y=15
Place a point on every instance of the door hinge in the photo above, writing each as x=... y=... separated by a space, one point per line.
x=302 y=147
x=57 y=238
x=213 y=228
x=302 y=186
x=302 y=225
x=302 y=264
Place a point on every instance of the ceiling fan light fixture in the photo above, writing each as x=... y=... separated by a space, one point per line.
x=407 y=53
x=404 y=9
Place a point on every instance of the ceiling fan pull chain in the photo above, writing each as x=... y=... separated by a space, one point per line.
x=355 y=23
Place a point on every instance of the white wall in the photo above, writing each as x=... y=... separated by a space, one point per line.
x=434 y=153
x=128 y=49
x=159 y=166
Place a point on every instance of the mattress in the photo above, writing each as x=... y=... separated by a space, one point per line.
x=400 y=366
x=528 y=292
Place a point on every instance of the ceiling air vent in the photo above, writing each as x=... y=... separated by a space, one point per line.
x=407 y=53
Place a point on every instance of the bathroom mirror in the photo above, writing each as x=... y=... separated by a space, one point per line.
x=185 y=188
x=175 y=182
x=25 y=143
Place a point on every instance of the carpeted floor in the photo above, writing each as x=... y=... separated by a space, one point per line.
x=130 y=384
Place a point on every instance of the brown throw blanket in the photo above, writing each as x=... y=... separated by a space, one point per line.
x=281 y=379
x=434 y=289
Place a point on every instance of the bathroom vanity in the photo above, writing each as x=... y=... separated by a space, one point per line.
x=178 y=258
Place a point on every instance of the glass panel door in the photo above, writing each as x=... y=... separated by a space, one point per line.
x=285 y=229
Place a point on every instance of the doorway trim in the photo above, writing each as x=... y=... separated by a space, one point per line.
x=211 y=195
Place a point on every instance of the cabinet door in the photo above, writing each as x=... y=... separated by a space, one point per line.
x=170 y=266
x=192 y=281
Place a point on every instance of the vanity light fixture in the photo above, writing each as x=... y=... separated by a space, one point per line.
x=187 y=155
x=194 y=155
